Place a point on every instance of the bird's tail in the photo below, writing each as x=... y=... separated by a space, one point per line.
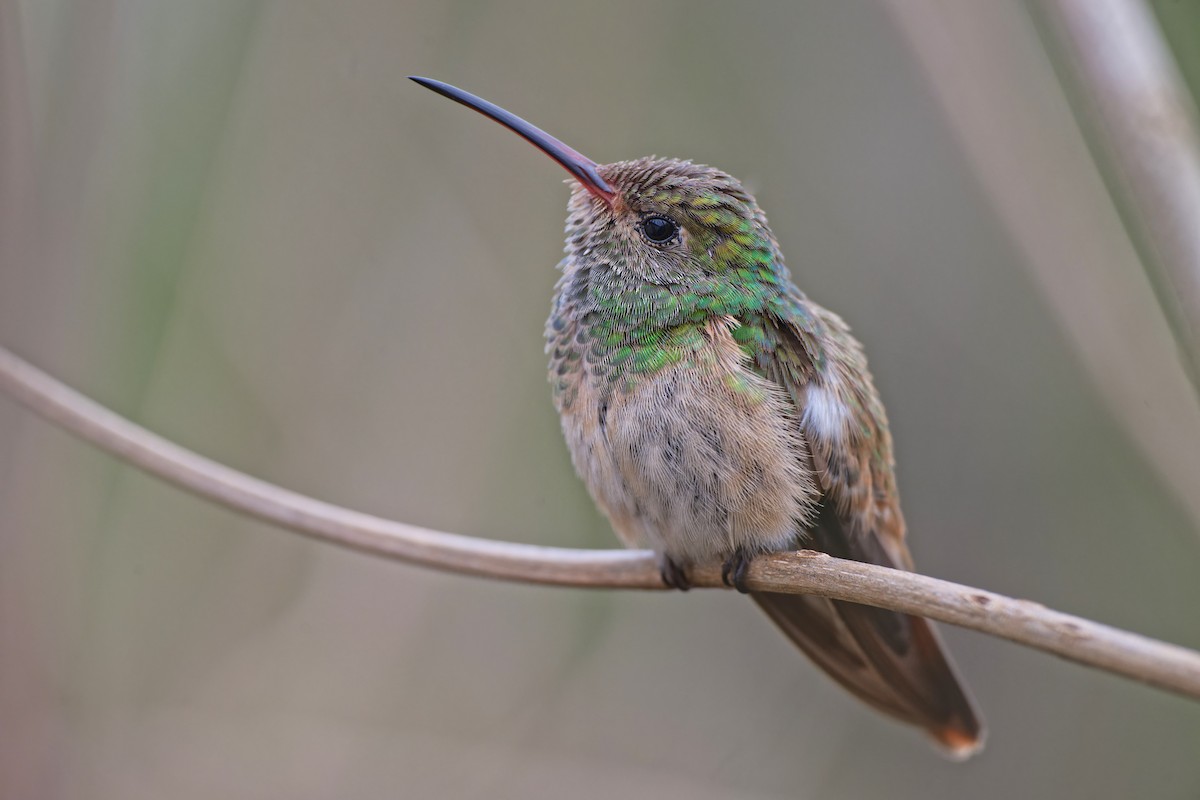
x=894 y=662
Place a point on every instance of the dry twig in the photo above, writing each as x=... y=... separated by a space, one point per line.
x=1156 y=663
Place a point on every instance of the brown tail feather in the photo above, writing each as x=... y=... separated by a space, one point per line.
x=893 y=662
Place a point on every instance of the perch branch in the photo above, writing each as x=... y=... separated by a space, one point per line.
x=1166 y=666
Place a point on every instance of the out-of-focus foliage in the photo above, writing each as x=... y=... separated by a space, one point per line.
x=1180 y=23
x=236 y=222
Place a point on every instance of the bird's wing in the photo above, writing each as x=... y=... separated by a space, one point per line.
x=895 y=662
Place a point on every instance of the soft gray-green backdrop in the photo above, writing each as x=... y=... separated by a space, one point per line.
x=236 y=222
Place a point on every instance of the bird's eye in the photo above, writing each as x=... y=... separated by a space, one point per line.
x=659 y=229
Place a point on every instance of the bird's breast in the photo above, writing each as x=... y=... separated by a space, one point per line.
x=693 y=458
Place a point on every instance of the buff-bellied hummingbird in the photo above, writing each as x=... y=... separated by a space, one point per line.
x=716 y=413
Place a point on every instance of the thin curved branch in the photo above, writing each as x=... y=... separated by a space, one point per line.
x=1166 y=666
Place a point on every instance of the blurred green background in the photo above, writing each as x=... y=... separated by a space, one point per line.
x=235 y=222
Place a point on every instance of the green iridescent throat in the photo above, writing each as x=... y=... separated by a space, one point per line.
x=620 y=326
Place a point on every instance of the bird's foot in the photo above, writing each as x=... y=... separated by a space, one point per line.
x=674 y=574
x=733 y=571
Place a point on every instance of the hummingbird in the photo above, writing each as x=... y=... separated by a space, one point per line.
x=715 y=413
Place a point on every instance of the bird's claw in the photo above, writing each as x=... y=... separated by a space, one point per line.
x=674 y=574
x=733 y=571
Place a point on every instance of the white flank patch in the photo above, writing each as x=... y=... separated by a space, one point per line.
x=824 y=413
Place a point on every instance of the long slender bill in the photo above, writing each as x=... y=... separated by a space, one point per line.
x=579 y=165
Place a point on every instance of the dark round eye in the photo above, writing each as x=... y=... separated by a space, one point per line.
x=659 y=229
